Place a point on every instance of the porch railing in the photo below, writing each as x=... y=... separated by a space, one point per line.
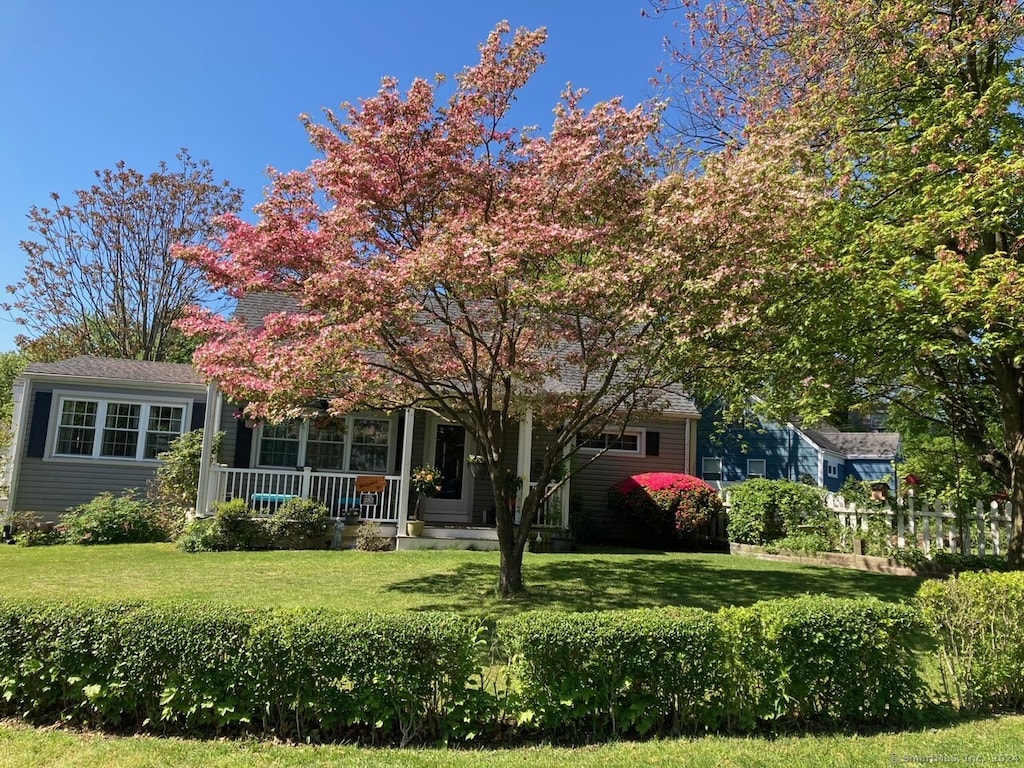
x=336 y=490
x=549 y=514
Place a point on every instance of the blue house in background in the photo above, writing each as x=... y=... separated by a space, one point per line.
x=823 y=456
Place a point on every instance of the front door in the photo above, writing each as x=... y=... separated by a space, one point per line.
x=446 y=450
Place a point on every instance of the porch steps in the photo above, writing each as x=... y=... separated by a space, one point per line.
x=450 y=537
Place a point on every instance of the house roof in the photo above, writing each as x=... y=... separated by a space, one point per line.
x=117 y=369
x=253 y=307
x=856 y=445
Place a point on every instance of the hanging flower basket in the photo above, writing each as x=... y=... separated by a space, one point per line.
x=477 y=464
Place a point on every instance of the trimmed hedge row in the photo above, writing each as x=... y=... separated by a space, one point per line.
x=215 y=669
x=808 y=662
x=619 y=673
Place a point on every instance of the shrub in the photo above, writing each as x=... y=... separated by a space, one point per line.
x=762 y=511
x=30 y=530
x=370 y=539
x=978 y=619
x=670 y=504
x=110 y=519
x=619 y=673
x=231 y=528
x=818 y=660
x=200 y=535
x=295 y=524
x=173 y=490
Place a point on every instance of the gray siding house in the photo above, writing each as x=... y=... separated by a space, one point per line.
x=89 y=424
x=325 y=459
x=330 y=458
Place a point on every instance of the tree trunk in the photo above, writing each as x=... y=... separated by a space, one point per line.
x=1011 y=396
x=510 y=575
x=512 y=542
x=1015 y=548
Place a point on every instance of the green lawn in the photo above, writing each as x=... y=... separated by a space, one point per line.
x=447 y=580
x=989 y=742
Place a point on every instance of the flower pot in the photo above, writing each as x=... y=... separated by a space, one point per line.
x=414 y=527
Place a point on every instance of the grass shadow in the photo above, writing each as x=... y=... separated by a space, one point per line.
x=622 y=581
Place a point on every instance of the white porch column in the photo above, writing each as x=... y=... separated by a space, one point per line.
x=404 y=482
x=524 y=459
x=566 y=485
x=214 y=402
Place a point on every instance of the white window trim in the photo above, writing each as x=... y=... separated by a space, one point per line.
x=347 y=428
x=764 y=468
x=103 y=399
x=721 y=468
x=616 y=433
x=831 y=469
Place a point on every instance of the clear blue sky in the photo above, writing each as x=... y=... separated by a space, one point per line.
x=86 y=83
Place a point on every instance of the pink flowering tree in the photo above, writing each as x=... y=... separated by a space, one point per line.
x=437 y=257
x=893 y=131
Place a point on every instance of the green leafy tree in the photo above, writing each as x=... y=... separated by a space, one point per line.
x=11 y=366
x=102 y=277
x=897 y=127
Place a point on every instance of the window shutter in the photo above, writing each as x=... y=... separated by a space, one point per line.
x=653 y=443
x=40 y=422
x=198 y=415
x=243 y=445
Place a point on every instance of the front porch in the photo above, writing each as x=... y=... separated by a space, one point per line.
x=343 y=495
x=340 y=492
x=461 y=515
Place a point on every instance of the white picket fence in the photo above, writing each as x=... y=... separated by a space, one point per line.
x=984 y=529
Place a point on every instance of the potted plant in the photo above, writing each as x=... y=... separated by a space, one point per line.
x=426 y=483
x=476 y=463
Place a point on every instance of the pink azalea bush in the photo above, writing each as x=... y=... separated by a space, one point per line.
x=670 y=503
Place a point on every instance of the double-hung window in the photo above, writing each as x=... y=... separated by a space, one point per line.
x=361 y=443
x=711 y=469
x=628 y=441
x=113 y=429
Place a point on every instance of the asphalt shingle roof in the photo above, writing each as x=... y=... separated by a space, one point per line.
x=854 y=445
x=117 y=369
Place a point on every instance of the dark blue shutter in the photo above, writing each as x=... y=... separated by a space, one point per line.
x=401 y=442
x=243 y=445
x=40 y=422
x=198 y=415
x=653 y=443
